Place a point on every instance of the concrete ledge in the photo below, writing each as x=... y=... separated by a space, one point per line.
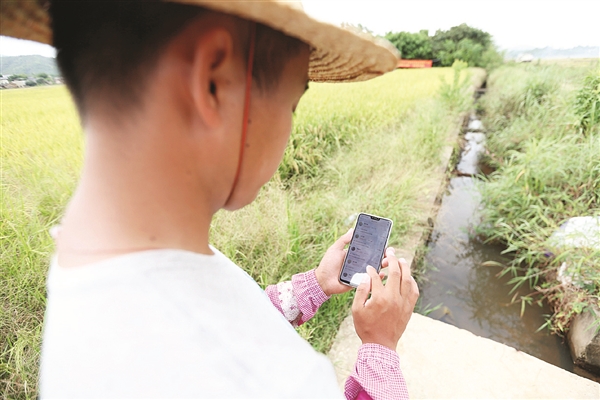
x=441 y=361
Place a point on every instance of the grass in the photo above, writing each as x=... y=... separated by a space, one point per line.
x=547 y=171
x=369 y=146
x=40 y=155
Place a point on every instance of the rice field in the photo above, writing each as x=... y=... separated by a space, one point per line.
x=368 y=146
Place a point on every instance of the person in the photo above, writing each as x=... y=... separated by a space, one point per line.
x=186 y=110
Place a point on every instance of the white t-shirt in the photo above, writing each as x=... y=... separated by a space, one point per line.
x=172 y=323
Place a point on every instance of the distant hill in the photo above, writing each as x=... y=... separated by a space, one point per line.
x=28 y=65
x=550 y=52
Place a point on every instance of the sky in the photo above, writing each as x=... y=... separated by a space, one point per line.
x=512 y=23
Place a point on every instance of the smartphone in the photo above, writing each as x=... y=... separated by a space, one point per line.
x=367 y=247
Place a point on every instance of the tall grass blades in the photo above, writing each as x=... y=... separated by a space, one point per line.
x=454 y=94
x=371 y=146
x=332 y=115
x=547 y=172
x=587 y=103
x=41 y=149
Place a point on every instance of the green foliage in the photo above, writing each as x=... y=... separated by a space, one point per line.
x=547 y=172
x=41 y=154
x=342 y=112
x=31 y=83
x=526 y=94
x=412 y=45
x=471 y=51
x=587 y=103
x=17 y=77
x=455 y=94
x=461 y=42
x=371 y=146
x=491 y=58
x=456 y=34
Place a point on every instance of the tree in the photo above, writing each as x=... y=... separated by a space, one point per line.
x=469 y=51
x=465 y=43
x=460 y=32
x=42 y=75
x=461 y=42
x=491 y=58
x=412 y=45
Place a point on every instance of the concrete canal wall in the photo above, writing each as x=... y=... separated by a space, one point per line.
x=442 y=361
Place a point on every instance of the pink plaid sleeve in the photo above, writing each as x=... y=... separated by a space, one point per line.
x=299 y=299
x=377 y=375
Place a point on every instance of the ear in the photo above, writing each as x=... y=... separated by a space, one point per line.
x=213 y=68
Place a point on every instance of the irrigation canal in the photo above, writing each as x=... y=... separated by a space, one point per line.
x=461 y=286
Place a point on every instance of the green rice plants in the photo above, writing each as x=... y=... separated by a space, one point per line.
x=369 y=146
x=331 y=116
x=40 y=152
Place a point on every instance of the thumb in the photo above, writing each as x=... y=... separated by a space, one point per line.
x=362 y=292
x=343 y=240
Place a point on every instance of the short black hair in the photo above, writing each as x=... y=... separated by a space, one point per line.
x=108 y=49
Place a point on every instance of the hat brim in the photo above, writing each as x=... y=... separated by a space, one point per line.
x=338 y=54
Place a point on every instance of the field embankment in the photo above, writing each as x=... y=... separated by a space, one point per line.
x=369 y=146
x=544 y=142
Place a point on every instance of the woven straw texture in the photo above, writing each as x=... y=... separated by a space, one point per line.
x=338 y=54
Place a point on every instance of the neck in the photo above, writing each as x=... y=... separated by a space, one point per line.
x=138 y=191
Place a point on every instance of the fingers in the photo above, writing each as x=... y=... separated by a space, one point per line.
x=394 y=273
x=376 y=284
x=362 y=293
x=343 y=240
x=408 y=285
x=385 y=261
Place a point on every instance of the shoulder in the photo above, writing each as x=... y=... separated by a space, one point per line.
x=179 y=325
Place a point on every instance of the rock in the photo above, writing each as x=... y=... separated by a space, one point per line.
x=578 y=232
x=584 y=340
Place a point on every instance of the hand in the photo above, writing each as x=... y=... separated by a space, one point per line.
x=328 y=271
x=382 y=319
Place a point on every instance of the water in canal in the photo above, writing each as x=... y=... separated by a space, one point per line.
x=469 y=294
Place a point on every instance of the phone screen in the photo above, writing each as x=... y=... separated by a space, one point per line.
x=367 y=247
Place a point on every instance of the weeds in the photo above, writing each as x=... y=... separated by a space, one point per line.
x=455 y=94
x=587 y=103
x=370 y=146
x=331 y=116
x=40 y=152
x=547 y=172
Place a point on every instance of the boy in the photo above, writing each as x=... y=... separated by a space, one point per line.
x=187 y=110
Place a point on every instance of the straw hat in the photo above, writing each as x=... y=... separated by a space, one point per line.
x=338 y=54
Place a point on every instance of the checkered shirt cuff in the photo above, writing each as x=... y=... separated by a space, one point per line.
x=299 y=299
x=377 y=374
